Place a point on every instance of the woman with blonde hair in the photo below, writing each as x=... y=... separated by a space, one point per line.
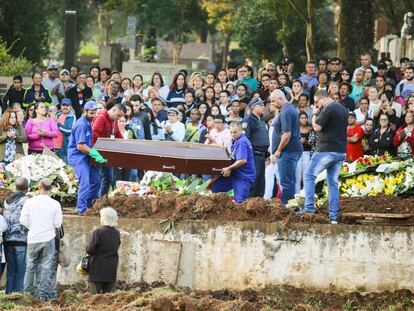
x=103 y=249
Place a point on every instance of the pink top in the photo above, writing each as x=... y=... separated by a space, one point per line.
x=36 y=141
x=222 y=138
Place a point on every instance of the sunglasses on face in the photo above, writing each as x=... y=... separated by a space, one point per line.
x=345 y=74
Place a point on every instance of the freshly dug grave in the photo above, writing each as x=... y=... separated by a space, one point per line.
x=159 y=297
x=378 y=204
x=195 y=206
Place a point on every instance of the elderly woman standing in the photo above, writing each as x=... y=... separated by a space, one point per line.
x=103 y=249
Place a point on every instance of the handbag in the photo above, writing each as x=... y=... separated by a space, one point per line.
x=65 y=254
x=84 y=263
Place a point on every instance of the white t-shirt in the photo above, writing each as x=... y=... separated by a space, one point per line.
x=41 y=215
x=178 y=130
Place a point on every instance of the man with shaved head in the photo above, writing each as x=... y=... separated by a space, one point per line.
x=42 y=215
x=286 y=144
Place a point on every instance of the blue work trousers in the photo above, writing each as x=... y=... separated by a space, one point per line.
x=240 y=186
x=89 y=184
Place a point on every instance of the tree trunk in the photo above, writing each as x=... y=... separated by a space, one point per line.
x=356 y=15
x=104 y=25
x=309 y=32
x=225 y=51
x=177 y=47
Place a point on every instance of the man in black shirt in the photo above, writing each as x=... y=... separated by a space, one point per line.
x=14 y=94
x=331 y=125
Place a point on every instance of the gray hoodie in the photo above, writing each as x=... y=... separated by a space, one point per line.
x=13 y=205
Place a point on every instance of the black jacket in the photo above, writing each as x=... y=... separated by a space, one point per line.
x=12 y=96
x=382 y=143
x=103 y=249
x=74 y=96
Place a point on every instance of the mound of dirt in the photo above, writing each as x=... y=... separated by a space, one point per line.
x=218 y=206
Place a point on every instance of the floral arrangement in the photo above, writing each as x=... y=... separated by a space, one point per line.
x=160 y=181
x=364 y=164
x=36 y=167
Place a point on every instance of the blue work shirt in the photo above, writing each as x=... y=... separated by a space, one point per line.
x=287 y=121
x=310 y=81
x=242 y=149
x=81 y=133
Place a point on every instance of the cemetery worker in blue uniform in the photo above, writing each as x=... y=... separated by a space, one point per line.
x=240 y=175
x=256 y=130
x=80 y=150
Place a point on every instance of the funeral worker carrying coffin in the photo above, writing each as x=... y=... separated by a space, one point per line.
x=80 y=151
x=240 y=175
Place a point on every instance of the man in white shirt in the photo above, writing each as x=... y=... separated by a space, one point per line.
x=366 y=62
x=53 y=84
x=42 y=216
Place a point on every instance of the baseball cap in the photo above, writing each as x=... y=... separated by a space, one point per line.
x=351 y=113
x=174 y=110
x=64 y=71
x=382 y=65
x=256 y=101
x=234 y=98
x=90 y=105
x=66 y=101
x=286 y=61
x=52 y=67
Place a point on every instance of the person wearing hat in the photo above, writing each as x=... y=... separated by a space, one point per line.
x=355 y=134
x=65 y=80
x=65 y=120
x=174 y=130
x=53 y=84
x=256 y=130
x=286 y=143
x=80 y=151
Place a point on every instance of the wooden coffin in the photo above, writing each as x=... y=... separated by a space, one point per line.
x=163 y=156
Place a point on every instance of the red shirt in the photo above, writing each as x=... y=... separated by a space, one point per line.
x=103 y=126
x=354 y=150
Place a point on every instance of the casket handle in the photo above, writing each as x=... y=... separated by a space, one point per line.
x=166 y=167
x=216 y=169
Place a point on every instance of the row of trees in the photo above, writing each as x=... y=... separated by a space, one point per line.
x=263 y=29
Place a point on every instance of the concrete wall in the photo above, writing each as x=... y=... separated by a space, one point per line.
x=213 y=255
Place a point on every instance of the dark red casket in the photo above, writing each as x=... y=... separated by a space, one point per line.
x=163 y=156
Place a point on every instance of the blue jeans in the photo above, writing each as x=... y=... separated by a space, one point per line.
x=40 y=268
x=286 y=164
x=89 y=184
x=107 y=178
x=16 y=268
x=332 y=162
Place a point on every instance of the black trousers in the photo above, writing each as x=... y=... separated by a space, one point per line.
x=101 y=287
x=258 y=187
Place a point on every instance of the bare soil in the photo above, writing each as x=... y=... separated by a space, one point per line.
x=159 y=297
x=169 y=205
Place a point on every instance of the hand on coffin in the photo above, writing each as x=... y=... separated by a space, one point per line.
x=97 y=156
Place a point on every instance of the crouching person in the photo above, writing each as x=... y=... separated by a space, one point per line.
x=42 y=216
x=15 y=237
x=103 y=249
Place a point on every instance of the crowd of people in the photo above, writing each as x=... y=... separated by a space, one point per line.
x=281 y=128
x=199 y=108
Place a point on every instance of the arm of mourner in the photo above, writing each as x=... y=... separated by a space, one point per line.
x=284 y=140
x=25 y=214
x=57 y=222
x=3 y=224
x=93 y=243
x=353 y=139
